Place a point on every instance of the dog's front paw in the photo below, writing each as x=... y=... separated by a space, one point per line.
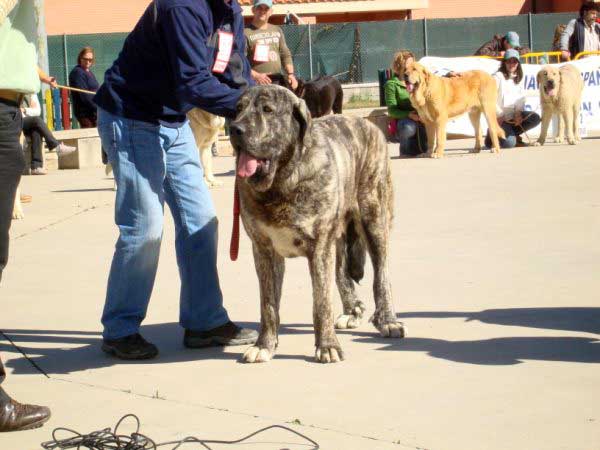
x=392 y=330
x=213 y=182
x=538 y=143
x=325 y=355
x=572 y=141
x=352 y=320
x=559 y=139
x=256 y=354
x=18 y=214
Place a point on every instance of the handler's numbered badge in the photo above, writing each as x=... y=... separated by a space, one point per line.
x=224 y=52
x=261 y=53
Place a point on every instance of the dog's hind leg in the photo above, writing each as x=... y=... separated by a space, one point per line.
x=270 y=268
x=206 y=158
x=321 y=264
x=489 y=111
x=475 y=117
x=576 y=108
x=376 y=223
x=353 y=307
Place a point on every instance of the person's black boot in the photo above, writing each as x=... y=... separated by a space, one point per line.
x=133 y=346
x=227 y=334
x=17 y=417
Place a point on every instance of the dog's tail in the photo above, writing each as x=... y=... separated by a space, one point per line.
x=356 y=252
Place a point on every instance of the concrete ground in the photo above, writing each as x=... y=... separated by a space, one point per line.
x=495 y=266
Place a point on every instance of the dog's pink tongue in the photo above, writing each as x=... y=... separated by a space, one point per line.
x=246 y=165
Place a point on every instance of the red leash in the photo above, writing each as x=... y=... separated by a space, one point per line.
x=234 y=245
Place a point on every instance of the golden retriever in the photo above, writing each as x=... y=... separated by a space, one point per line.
x=438 y=99
x=560 y=93
x=206 y=127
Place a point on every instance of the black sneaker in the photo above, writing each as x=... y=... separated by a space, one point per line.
x=133 y=346
x=228 y=334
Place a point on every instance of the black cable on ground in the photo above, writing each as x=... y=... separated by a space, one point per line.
x=31 y=361
x=106 y=439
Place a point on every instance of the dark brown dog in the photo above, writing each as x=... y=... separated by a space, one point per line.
x=323 y=95
x=321 y=189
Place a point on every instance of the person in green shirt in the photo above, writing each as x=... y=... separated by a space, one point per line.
x=19 y=75
x=266 y=48
x=406 y=127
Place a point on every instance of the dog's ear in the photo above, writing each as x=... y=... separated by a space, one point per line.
x=302 y=115
x=300 y=89
x=539 y=77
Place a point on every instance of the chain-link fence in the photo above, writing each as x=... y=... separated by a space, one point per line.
x=351 y=51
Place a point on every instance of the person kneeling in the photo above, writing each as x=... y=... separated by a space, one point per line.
x=405 y=126
x=510 y=108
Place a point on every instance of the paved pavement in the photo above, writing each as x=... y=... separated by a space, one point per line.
x=495 y=263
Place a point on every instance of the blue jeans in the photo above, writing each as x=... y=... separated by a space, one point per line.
x=153 y=164
x=530 y=120
x=412 y=137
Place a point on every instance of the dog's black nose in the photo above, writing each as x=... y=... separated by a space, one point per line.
x=236 y=129
x=551 y=84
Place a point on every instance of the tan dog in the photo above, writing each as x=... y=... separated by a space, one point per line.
x=206 y=127
x=438 y=99
x=560 y=93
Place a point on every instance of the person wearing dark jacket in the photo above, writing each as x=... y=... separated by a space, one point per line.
x=181 y=54
x=499 y=44
x=581 y=34
x=82 y=77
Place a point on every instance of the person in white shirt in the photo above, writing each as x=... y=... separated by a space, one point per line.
x=36 y=129
x=510 y=108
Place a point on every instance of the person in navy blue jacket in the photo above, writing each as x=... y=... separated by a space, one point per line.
x=181 y=54
x=82 y=77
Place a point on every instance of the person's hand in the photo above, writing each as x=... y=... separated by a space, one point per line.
x=566 y=55
x=502 y=53
x=518 y=120
x=23 y=111
x=293 y=81
x=261 y=78
x=414 y=116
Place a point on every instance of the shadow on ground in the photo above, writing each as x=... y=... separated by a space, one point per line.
x=585 y=320
x=67 y=351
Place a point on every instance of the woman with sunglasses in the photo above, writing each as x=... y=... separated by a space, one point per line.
x=510 y=107
x=82 y=77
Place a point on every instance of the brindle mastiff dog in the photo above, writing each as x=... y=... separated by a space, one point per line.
x=316 y=188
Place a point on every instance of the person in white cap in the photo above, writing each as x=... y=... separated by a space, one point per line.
x=499 y=44
x=510 y=106
x=266 y=48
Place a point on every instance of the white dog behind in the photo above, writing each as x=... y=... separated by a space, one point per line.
x=206 y=127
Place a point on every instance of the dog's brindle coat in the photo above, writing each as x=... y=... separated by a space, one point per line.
x=315 y=188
